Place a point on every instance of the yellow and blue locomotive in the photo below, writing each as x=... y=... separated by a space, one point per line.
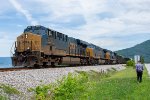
x=41 y=46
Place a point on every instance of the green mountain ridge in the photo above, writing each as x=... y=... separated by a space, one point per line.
x=142 y=49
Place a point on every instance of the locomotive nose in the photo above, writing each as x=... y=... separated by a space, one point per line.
x=28 y=41
x=26 y=47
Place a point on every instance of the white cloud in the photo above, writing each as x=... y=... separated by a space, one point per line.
x=127 y=18
x=25 y=12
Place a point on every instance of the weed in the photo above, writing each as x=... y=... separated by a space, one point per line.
x=41 y=92
x=73 y=86
x=3 y=97
x=114 y=69
x=69 y=87
x=8 y=89
x=41 y=81
x=130 y=63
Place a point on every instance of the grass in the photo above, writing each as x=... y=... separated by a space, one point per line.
x=94 y=85
x=123 y=86
x=7 y=90
x=72 y=87
x=3 y=97
x=94 y=76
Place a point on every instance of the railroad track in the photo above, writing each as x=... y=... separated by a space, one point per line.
x=25 y=68
x=13 y=69
x=29 y=68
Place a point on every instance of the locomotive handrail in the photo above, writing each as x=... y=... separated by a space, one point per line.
x=12 y=47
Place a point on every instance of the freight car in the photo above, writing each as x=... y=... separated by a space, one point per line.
x=40 y=46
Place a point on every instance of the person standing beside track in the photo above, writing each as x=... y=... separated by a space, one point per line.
x=139 y=71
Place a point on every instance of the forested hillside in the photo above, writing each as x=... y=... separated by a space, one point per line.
x=142 y=49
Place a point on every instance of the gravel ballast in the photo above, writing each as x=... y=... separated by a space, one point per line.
x=24 y=79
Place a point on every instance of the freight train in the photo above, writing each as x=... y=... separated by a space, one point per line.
x=39 y=46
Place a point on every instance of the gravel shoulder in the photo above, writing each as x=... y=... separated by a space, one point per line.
x=22 y=80
x=148 y=68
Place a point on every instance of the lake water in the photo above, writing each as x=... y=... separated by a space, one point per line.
x=5 y=62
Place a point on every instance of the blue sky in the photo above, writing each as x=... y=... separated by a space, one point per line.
x=111 y=24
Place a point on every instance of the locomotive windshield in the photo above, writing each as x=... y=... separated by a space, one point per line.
x=28 y=29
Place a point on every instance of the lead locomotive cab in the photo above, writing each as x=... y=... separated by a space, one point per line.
x=27 y=49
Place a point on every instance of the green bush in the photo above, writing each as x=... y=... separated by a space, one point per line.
x=70 y=87
x=73 y=86
x=130 y=63
x=41 y=92
x=142 y=60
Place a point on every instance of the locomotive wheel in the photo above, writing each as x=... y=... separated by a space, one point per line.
x=36 y=65
x=53 y=64
x=45 y=65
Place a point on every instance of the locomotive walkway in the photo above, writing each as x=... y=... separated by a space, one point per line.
x=148 y=68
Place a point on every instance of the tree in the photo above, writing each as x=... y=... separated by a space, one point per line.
x=142 y=59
